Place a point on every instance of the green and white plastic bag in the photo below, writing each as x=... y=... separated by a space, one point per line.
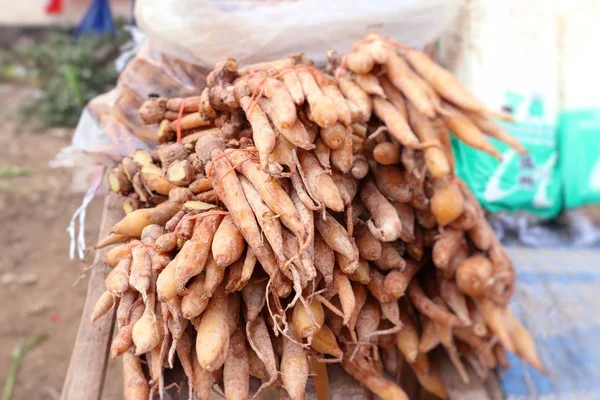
x=528 y=182
x=505 y=53
x=579 y=127
x=579 y=132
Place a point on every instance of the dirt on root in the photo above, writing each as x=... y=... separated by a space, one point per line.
x=38 y=293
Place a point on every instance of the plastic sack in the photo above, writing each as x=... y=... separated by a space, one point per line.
x=579 y=127
x=579 y=132
x=110 y=127
x=529 y=182
x=505 y=53
x=203 y=32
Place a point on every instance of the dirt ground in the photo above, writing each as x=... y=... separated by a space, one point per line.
x=38 y=293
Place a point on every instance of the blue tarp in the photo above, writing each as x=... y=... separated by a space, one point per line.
x=558 y=300
x=97 y=20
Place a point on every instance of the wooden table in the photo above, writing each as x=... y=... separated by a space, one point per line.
x=87 y=368
x=89 y=360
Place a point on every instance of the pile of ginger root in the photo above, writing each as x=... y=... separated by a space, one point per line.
x=292 y=214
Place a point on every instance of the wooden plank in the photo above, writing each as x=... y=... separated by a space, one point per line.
x=477 y=389
x=87 y=368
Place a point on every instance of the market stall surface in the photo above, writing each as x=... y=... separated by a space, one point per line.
x=557 y=298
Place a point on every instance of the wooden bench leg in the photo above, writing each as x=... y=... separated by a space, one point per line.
x=87 y=368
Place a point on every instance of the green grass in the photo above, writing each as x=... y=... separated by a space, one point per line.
x=68 y=72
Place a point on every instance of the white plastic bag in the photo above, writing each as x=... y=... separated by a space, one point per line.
x=505 y=53
x=204 y=31
x=579 y=128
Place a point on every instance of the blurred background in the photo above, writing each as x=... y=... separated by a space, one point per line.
x=535 y=60
x=47 y=75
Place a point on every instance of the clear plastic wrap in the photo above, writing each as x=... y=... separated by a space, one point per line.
x=485 y=50
x=202 y=32
x=110 y=126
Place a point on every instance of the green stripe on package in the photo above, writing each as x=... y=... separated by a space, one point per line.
x=579 y=138
x=529 y=182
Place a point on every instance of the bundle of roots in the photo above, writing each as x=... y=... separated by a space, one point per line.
x=292 y=213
